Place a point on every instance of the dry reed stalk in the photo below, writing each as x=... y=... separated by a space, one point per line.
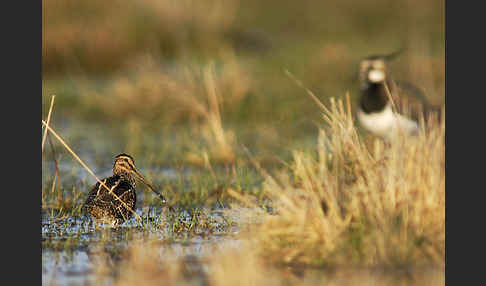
x=58 y=174
x=48 y=121
x=57 y=177
x=311 y=94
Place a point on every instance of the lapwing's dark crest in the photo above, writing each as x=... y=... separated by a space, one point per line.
x=116 y=205
x=387 y=107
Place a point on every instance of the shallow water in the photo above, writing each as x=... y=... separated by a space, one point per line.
x=71 y=245
x=77 y=267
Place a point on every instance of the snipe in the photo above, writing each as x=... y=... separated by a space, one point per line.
x=116 y=205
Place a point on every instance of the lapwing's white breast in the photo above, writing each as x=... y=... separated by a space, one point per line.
x=386 y=123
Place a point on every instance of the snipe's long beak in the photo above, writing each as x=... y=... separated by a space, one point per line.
x=142 y=178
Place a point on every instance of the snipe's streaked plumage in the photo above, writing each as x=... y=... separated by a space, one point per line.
x=377 y=113
x=103 y=206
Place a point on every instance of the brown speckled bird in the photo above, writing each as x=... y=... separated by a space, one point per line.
x=105 y=207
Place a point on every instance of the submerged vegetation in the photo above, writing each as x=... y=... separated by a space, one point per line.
x=265 y=185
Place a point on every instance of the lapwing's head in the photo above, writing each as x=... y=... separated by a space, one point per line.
x=373 y=69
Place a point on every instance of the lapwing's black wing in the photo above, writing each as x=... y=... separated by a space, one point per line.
x=414 y=100
x=412 y=90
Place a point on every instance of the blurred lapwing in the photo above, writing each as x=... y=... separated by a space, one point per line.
x=387 y=107
x=116 y=205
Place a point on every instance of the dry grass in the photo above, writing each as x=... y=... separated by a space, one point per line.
x=350 y=205
x=195 y=94
x=220 y=141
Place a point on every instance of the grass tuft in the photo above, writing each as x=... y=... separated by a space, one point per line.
x=347 y=204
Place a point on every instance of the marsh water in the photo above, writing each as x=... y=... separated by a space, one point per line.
x=73 y=263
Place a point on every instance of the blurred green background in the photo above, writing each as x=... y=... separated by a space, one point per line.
x=185 y=82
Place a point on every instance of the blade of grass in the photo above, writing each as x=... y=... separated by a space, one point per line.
x=327 y=113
